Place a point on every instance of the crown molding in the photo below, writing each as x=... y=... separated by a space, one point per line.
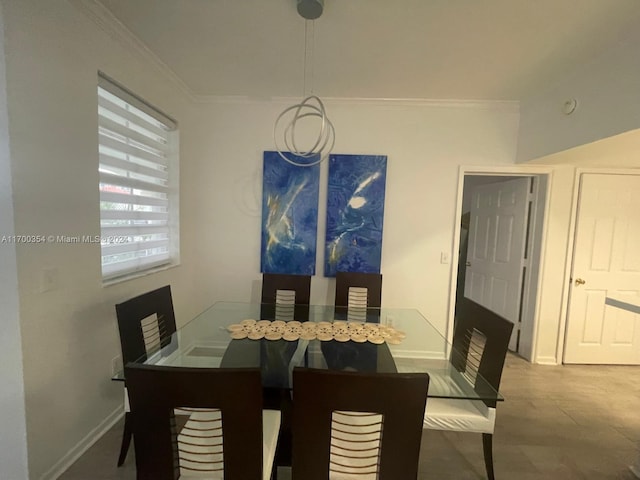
x=512 y=106
x=507 y=105
x=108 y=23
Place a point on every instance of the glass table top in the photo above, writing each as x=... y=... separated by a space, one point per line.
x=416 y=346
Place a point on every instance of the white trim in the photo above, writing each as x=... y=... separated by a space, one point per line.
x=536 y=214
x=515 y=170
x=507 y=171
x=545 y=212
x=542 y=259
x=546 y=361
x=608 y=170
x=568 y=267
x=144 y=273
x=564 y=308
x=83 y=445
x=502 y=105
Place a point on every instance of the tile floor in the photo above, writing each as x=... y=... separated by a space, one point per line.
x=566 y=422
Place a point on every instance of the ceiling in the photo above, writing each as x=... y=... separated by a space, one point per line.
x=432 y=49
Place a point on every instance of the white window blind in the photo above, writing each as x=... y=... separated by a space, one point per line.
x=137 y=146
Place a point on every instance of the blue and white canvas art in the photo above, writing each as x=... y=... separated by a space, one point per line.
x=289 y=216
x=355 y=211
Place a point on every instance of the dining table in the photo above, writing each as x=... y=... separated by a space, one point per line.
x=383 y=340
x=278 y=338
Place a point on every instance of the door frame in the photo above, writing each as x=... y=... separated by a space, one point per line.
x=506 y=171
x=564 y=309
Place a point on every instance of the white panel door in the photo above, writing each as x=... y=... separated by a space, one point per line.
x=495 y=256
x=606 y=261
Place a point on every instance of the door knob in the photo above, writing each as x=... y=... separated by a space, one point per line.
x=468 y=264
x=579 y=281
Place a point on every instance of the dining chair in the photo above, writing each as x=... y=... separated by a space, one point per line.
x=480 y=344
x=357 y=426
x=285 y=296
x=273 y=283
x=228 y=436
x=145 y=323
x=356 y=292
x=357 y=298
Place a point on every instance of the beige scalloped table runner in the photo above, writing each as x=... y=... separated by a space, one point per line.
x=338 y=330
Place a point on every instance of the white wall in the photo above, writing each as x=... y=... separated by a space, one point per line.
x=13 y=441
x=620 y=151
x=425 y=144
x=608 y=95
x=69 y=334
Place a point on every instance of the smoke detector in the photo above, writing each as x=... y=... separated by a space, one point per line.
x=569 y=106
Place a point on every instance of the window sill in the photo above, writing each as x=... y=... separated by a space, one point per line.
x=144 y=273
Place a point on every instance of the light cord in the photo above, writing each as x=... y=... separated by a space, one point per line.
x=310 y=107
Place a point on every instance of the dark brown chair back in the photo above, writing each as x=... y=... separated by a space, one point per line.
x=131 y=314
x=480 y=344
x=145 y=323
x=400 y=398
x=371 y=281
x=154 y=392
x=272 y=282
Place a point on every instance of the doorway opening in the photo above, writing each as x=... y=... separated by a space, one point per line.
x=500 y=237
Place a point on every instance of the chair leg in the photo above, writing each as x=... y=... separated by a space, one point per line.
x=126 y=438
x=487 y=446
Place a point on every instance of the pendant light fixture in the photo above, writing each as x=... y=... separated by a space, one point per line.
x=286 y=130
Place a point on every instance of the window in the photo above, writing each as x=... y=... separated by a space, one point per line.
x=138 y=151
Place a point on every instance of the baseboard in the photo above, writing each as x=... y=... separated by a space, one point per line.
x=83 y=445
x=546 y=361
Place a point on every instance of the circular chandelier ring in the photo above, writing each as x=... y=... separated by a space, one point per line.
x=325 y=137
x=290 y=134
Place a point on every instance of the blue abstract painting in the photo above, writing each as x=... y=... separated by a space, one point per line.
x=355 y=211
x=289 y=216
